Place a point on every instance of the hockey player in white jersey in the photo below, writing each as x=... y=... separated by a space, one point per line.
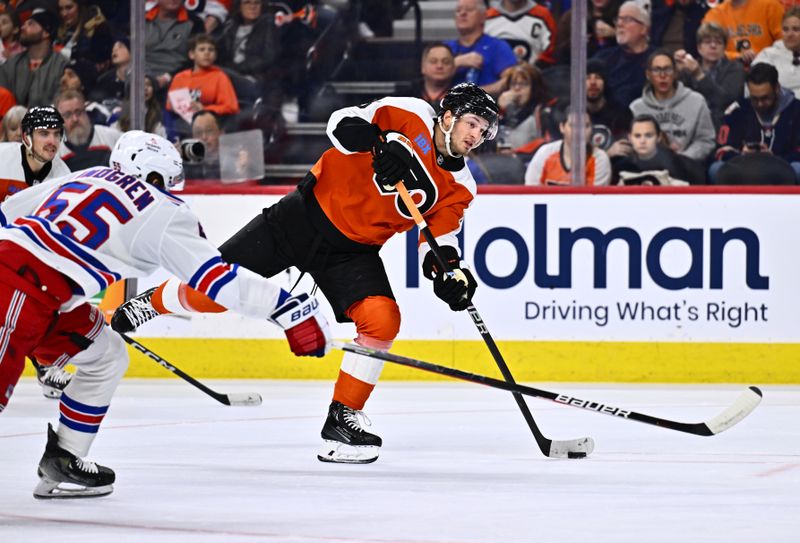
x=24 y=165
x=65 y=240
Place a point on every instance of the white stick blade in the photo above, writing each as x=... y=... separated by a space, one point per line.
x=572 y=448
x=742 y=407
x=245 y=398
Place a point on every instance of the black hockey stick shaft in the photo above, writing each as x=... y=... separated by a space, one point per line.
x=542 y=441
x=740 y=409
x=227 y=399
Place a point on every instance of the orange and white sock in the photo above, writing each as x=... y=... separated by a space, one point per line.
x=359 y=374
x=174 y=296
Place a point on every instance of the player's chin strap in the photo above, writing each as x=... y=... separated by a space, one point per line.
x=33 y=154
x=447 y=133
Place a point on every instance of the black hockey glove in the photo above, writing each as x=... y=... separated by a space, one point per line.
x=390 y=160
x=456 y=291
x=431 y=266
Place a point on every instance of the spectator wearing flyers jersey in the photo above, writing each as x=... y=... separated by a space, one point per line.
x=752 y=25
x=552 y=163
x=760 y=129
x=528 y=27
x=610 y=121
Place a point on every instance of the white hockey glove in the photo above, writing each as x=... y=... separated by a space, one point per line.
x=306 y=328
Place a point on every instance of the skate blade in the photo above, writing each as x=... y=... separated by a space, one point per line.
x=341 y=453
x=48 y=489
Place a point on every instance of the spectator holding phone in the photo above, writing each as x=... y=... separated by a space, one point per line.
x=765 y=127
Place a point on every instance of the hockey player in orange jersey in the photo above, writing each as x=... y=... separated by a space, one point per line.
x=335 y=223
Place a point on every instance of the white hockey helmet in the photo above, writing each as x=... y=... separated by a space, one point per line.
x=143 y=154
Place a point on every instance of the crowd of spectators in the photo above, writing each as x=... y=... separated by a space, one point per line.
x=677 y=91
x=240 y=60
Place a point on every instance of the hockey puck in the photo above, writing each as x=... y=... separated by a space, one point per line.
x=574 y=454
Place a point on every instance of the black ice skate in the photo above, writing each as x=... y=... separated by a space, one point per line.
x=344 y=441
x=53 y=379
x=134 y=313
x=64 y=475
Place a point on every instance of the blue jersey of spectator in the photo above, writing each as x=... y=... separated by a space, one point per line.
x=497 y=56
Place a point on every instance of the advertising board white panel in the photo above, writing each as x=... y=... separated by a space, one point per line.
x=583 y=267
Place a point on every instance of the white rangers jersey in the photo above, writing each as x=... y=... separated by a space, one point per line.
x=12 y=178
x=100 y=225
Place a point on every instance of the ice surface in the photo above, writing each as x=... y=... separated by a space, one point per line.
x=458 y=465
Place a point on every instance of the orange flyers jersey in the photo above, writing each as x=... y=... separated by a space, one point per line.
x=369 y=213
x=547 y=167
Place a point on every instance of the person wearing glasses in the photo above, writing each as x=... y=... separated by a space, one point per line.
x=785 y=54
x=719 y=80
x=86 y=144
x=625 y=63
x=521 y=107
x=753 y=25
x=760 y=134
x=681 y=112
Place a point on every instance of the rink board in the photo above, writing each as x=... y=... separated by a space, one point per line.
x=623 y=286
x=546 y=361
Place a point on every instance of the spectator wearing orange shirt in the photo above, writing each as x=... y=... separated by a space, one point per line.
x=752 y=25
x=210 y=88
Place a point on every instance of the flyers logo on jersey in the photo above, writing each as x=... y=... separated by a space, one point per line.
x=418 y=181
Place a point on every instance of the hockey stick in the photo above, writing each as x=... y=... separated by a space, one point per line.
x=572 y=448
x=249 y=398
x=733 y=414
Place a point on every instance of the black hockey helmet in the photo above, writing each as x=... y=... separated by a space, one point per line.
x=41 y=117
x=470 y=98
